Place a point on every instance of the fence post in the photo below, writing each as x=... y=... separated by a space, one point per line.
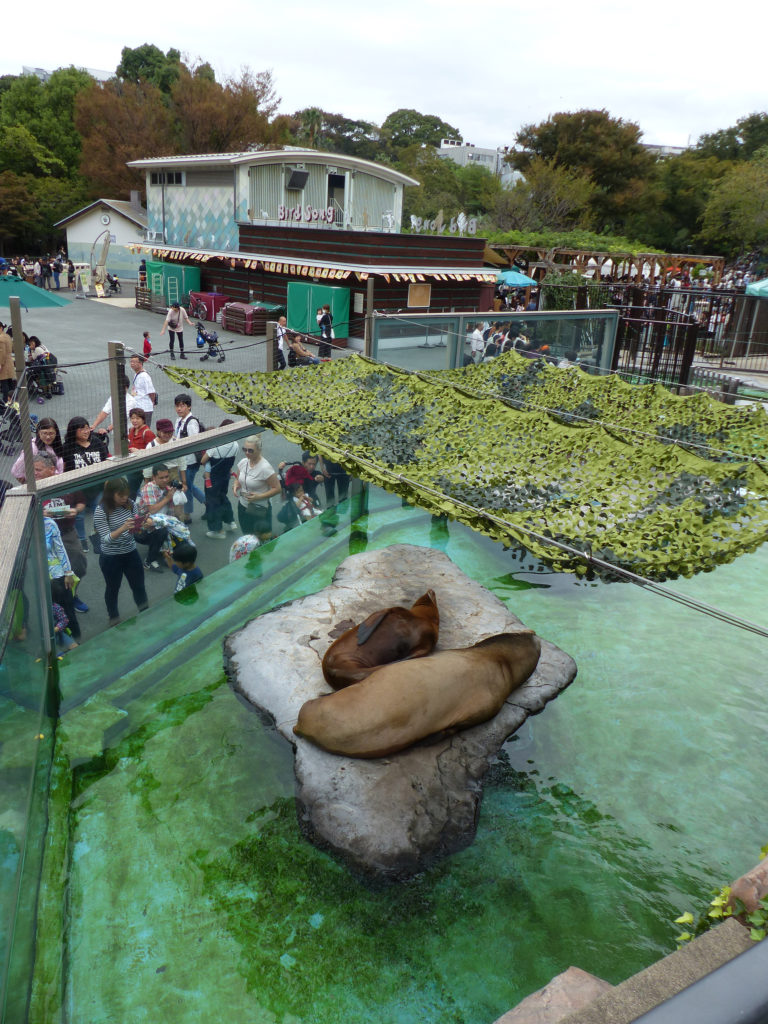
x=22 y=392
x=368 y=338
x=270 y=345
x=730 y=391
x=117 y=377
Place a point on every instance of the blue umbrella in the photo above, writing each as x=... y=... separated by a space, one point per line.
x=515 y=278
x=29 y=295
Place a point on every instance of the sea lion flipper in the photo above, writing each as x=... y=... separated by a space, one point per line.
x=368 y=626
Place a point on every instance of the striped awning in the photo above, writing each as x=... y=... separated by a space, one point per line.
x=315 y=269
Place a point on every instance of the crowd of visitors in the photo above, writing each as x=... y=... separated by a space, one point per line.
x=488 y=340
x=43 y=271
x=141 y=522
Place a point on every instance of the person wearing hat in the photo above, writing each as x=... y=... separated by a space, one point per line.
x=174 y=322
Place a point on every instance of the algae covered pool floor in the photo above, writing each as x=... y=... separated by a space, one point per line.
x=190 y=895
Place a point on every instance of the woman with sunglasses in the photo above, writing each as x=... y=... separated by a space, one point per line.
x=255 y=483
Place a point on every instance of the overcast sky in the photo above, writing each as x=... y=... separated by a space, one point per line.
x=677 y=70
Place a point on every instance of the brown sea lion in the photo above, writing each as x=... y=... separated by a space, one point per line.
x=391 y=634
x=397 y=705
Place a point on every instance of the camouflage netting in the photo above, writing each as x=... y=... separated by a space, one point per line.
x=660 y=485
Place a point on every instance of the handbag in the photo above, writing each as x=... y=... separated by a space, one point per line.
x=95 y=540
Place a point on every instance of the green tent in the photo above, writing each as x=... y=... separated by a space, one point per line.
x=29 y=295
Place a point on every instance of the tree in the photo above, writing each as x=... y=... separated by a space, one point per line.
x=21 y=153
x=355 y=138
x=147 y=63
x=478 y=188
x=18 y=215
x=739 y=142
x=549 y=197
x=311 y=123
x=55 y=198
x=405 y=127
x=6 y=81
x=668 y=210
x=47 y=110
x=736 y=215
x=592 y=142
x=336 y=133
x=438 y=187
x=213 y=118
x=118 y=122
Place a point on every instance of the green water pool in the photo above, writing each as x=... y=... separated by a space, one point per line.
x=177 y=887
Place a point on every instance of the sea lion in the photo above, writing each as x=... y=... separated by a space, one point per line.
x=399 y=704
x=391 y=634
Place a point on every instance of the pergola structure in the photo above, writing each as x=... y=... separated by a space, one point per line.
x=651 y=266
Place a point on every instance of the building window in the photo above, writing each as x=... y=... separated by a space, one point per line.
x=166 y=178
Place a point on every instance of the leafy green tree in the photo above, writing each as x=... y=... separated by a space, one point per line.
x=739 y=142
x=148 y=63
x=478 y=188
x=46 y=110
x=20 y=224
x=669 y=207
x=21 y=153
x=203 y=71
x=592 y=142
x=335 y=133
x=438 y=187
x=736 y=215
x=355 y=138
x=6 y=81
x=311 y=124
x=549 y=196
x=405 y=127
x=56 y=198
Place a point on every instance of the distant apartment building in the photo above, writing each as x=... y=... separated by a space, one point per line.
x=658 y=150
x=43 y=74
x=466 y=155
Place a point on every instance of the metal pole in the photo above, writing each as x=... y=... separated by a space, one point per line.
x=22 y=392
x=270 y=345
x=368 y=341
x=751 y=329
x=117 y=391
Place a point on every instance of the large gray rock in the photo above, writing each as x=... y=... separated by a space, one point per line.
x=386 y=817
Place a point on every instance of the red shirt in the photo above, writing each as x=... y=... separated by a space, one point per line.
x=140 y=438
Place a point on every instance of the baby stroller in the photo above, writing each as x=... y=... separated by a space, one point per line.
x=211 y=339
x=112 y=286
x=43 y=378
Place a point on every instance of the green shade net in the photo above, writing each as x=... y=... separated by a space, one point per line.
x=530 y=454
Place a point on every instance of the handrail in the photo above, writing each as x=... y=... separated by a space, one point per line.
x=736 y=993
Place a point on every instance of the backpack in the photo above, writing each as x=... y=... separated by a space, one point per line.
x=183 y=433
x=184 y=430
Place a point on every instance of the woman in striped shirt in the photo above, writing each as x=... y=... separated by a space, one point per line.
x=116 y=520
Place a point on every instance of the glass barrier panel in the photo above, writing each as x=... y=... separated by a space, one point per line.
x=28 y=712
x=435 y=342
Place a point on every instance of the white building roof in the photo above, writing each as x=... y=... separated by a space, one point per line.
x=133 y=213
x=267 y=156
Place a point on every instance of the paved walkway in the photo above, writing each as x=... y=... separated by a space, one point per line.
x=78 y=335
